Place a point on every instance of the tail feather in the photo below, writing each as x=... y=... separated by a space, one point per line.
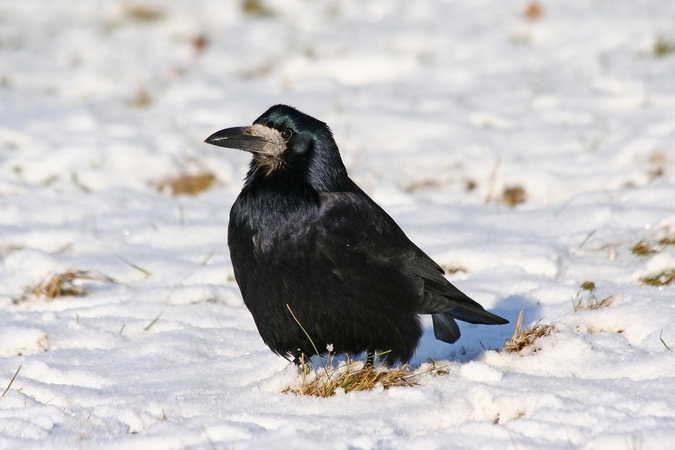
x=472 y=314
x=445 y=328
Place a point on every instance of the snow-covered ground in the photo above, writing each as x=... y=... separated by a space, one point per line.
x=438 y=107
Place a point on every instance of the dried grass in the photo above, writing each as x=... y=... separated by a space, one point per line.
x=143 y=13
x=592 y=302
x=187 y=184
x=526 y=338
x=642 y=248
x=64 y=284
x=425 y=184
x=350 y=376
x=141 y=98
x=660 y=279
x=663 y=46
x=356 y=376
x=451 y=270
x=256 y=8
x=514 y=195
x=11 y=381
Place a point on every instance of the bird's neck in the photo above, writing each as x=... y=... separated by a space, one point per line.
x=278 y=190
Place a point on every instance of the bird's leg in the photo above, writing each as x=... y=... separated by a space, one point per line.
x=370 y=359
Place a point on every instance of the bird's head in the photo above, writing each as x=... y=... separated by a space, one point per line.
x=286 y=141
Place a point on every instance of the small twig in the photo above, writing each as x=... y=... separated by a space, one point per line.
x=493 y=179
x=587 y=238
x=519 y=324
x=17 y=373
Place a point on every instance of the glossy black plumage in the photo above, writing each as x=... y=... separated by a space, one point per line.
x=303 y=236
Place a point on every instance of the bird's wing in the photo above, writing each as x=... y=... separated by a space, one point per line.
x=356 y=224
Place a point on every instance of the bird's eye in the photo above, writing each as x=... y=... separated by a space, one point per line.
x=287 y=133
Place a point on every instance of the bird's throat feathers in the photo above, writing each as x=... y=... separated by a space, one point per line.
x=270 y=158
x=321 y=169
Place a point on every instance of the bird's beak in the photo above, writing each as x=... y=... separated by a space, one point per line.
x=239 y=138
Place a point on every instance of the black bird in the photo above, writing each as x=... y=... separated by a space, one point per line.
x=306 y=241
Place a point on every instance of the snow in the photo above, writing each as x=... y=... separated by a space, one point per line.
x=437 y=106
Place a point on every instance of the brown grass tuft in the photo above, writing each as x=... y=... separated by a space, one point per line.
x=187 y=184
x=660 y=279
x=143 y=13
x=592 y=301
x=451 y=270
x=63 y=284
x=642 y=248
x=425 y=184
x=348 y=377
x=663 y=46
x=141 y=99
x=256 y=8
x=526 y=338
x=514 y=195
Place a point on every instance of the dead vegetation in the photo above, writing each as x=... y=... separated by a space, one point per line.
x=664 y=238
x=642 y=248
x=65 y=284
x=522 y=339
x=662 y=278
x=256 y=8
x=453 y=269
x=187 y=184
x=11 y=381
x=425 y=184
x=514 y=195
x=353 y=375
x=663 y=46
x=591 y=302
x=667 y=236
x=348 y=377
x=143 y=13
x=142 y=98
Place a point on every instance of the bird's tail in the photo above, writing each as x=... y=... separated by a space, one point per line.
x=475 y=314
x=446 y=329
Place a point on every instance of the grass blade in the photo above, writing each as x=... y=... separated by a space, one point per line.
x=11 y=381
x=129 y=263
x=664 y=342
x=153 y=322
